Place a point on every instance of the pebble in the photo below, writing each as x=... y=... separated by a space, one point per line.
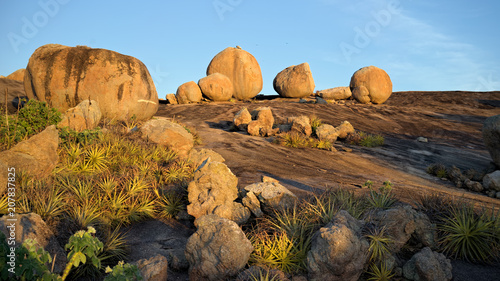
x=422 y=139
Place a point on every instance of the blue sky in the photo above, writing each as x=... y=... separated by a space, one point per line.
x=422 y=44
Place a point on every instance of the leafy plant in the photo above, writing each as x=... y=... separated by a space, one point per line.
x=123 y=272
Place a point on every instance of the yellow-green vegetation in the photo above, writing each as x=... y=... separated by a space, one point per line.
x=364 y=139
x=315 y=123
x=438 y=170
x=105 y=179
x=297 y=140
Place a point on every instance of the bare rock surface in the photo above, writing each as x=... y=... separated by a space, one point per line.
x=491 y=136
x=17 y=75
x=85 y=116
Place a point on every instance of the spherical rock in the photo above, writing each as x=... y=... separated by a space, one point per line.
x=17 y=75
x=241 y=68
x=377 y=84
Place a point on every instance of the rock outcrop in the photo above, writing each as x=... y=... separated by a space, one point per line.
x=188 y=92
x=371 y=84
x=218 y=249
x=85 y=116
x=295 y=81
x=262 y=124
x=338 y=251
x=241 y=68
x=242 y=118
x=216 y=87
x=330 y=133
x=491 y=181
x=65 y=76
x=198 y=156
x=301 y=125
x=491 y=137
x=167 y=133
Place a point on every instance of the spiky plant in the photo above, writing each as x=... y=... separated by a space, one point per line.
x=315 y=123
x=97 y=157
x=468 y=235
x=347 y=200
x=85 y=214
x=323 y=208
x=379 y=241
x=380 y=272
x=169 y=203
x=382 y=199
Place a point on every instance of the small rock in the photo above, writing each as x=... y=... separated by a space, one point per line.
x=242 y=118
x=321 y=101
x=346 y=149
x=498 y=195
x=492 y=194
x=422 y=139
x=303 y=101
x=153 y=269
x=252 y=202
x=171 y=99
x=269 y=179
x=492 y=181
x=473 y=185
x=428 y=265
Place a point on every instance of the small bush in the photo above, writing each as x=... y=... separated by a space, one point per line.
x=382 y=199
x=363 y=139
x=315 y=123
x=292 y=139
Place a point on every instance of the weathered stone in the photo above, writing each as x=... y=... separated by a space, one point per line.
x=328 y=132
x=167 y=133
x=65 y=76
x=428 y=265
x=241 y=68
x=272 y=196
x=473 y=185
x=402 y=222
x=17 y=75
x=321 y=101
x=301 y=124
x=218 y=250
x=31 y=226
x=337 y=93
x=36 y=156
x=213 y=185
x=15 y=95
x=371 y=84
x=242 y=118
x=338 y=251
x=171 y=98
x=491 y=137
x=253 y=204
x=153 y=269
x=216 y=87
x=188 y=92
x=492 y=181
x=295 y=81
x=198 y=156
x=233 y=211
x=85 y=116
x=263 y=123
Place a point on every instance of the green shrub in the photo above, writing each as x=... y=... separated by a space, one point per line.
x=33 y=118
x=363 y=139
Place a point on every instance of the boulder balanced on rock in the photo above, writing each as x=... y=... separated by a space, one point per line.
x=216 y=87
x=188 y=92
x=65 y=76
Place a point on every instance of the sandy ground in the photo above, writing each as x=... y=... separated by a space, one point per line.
x=451 y=121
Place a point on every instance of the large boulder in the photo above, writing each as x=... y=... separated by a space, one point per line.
x=216 y=87
x=213 y=191
x=241 y=68
x=85 y=116
x=31 y=226
x=188 y=92
x=295 y=81
x=337 y=93
x=167 y=133
x=491 y=137
x=15 y=95
x=371 y=84
x=428 y=265
x=272 y=196
x=154 y=268
x=65 y=76
x=338 y=251
x=403 y=222
x=218 y=250
x=491 y=181
x=17 y=75
x=36 y=156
